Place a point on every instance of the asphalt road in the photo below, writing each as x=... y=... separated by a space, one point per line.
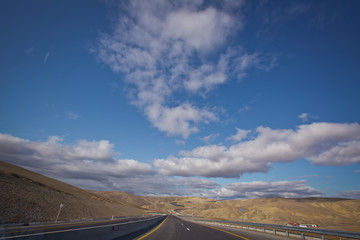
x=174 y=228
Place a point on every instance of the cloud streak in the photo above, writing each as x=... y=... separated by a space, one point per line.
x=261 y=189
x=71 y=115
x=46 y=58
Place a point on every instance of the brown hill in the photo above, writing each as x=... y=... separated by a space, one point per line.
x=342 y=214
x=331 y=213
x=151 y=203
x=28 y=196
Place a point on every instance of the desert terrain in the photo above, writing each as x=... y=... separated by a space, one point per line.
x=330 y=213
x=30 y=197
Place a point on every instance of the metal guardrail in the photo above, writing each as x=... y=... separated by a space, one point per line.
x=302 y=233
x=109 y=230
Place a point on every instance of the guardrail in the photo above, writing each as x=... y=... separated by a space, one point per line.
x=109 y=230
x=297 y=232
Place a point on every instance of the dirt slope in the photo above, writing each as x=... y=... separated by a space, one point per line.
x=28 y=196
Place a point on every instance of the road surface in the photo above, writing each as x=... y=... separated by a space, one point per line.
x=174 y=228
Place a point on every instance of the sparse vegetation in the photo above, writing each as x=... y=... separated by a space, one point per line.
x=30 y=197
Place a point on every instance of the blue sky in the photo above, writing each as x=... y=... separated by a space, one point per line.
x=221 y=99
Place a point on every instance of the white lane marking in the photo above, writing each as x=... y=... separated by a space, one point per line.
x=188 y=229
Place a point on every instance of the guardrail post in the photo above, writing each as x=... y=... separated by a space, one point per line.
x=263 y=229
x=286 y=233
x=302 y=236
x=322 y=237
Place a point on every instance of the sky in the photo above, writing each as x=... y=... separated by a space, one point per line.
x=219 y=99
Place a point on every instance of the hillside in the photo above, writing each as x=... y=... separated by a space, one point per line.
x=331 y=213
x=327 y=213
x=28 y=196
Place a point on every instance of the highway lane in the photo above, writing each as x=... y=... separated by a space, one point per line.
x=175 y=228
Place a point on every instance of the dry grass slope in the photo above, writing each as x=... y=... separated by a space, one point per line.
x=28 y=196
x=331 y=213
x=343 y=214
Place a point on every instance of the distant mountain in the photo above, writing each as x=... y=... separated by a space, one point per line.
x=27 y=196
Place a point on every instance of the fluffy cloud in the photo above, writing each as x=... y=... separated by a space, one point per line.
x=91 y=165
x=260 y=189
x=240 y=135
x=320 y=143
x=178 y=120
x=163 y=49
x=82 y=160
x=201 y=29
x=152 y=185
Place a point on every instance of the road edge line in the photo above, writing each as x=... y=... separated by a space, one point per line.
x=147 y=234
x=226 y=232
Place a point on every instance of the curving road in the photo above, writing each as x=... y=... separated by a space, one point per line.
x=175 y=228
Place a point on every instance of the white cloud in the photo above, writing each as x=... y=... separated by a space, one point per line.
x=91 y=165
x=343 y=153
x=167 y=48
x=240 y=135
x=82 y=160
x=178 y=120
x=71 y=115
x=244 y=108
x=210 y=138
x=306 y=117
x=46 y=57
x=157 y=185
x=201 y=30
x=261 y=189
x=320 y=143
